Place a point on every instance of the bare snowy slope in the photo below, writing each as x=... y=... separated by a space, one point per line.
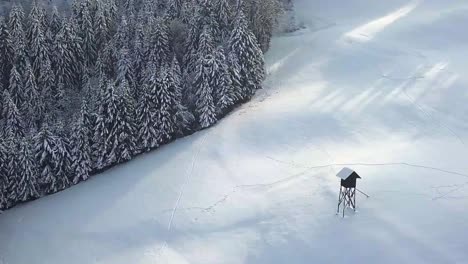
x=378 y=86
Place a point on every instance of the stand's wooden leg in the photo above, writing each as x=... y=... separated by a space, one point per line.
x=339 y=201
x=345 y=198
x=344 y=206
x=354 y=196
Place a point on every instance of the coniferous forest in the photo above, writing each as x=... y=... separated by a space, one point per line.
x=92 y=85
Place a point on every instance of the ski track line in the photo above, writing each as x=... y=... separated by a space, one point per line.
x=430 y=116
x=308 y=168
x=182 y=189
x=369 y=164
x=441 y=124
x=237 y=188
x=189 y=177
x=459 y=187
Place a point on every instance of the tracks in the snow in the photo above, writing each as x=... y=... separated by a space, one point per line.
x=370 y=164
x=414 y=78
x=182 y=189
x=307 y=168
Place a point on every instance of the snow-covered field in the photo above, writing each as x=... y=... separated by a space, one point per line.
x=378 y=86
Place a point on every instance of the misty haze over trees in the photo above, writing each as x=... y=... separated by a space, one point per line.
x=93 y=85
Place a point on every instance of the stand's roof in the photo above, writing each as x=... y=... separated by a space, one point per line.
x=345 y=173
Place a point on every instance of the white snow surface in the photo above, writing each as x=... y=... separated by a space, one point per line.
x=377 y=86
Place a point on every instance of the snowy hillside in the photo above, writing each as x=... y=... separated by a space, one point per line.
x=378 y=86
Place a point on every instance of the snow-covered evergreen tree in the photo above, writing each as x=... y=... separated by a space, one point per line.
x=59 y=95
x=125 y=126
x=125 y=71
x=165 y=106
x=6 y=52
x=76 y=8
x=160 y=5
x=148 y=8
x=250 y=57
x=13 y=171
x=46 y=157
x=122 y=36
x=46 y=85
x=222 y=12
x=157 y=51
x=262 y=16
x=2 y=90
x=191 y=41
x=235 y=76
x=207 y=18
x=202 y=85
x=76 y=46
x=204 y=102
x=81 y=148
x=34 y=104
x=101 y=28
x=188 y=9
x=128 y=8
x=110 y=129
x=14 y=126
x=197 y=46
x=16 y=27
x=176 y=73
x=206 y=44
x=147 y=128
x=138 y=55
x=38 y=48
x=174 y=8
x=55 y=21
x=4 y=157
x=183 y=118
x=105 y=64
x=222 y=83
x=110 y=118
x=101 y=130
x=88 y=35
x=111 y=14
x=27 y=183
x=18 y=37
x=86 y=114
x=53 y=160
x=63 y=163
x=65 y=63
x=16 y=87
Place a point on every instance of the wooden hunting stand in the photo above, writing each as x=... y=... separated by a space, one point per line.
x=347 y=196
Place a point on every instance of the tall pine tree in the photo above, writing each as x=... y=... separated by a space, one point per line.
x=6 y=52
x=204 y=102
x=81 y=148
x=16 y=88
x=250 y=57
x=34 y=104
x=17 y=34
x=224 y=93
x=14 y=126
x=146 y=113
x=165 y=106
x=183 y=118
x=38 y=48
x=125 y=126
x=27 y=184
x=4 y=154
x=88 y=35
x=157 y=50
